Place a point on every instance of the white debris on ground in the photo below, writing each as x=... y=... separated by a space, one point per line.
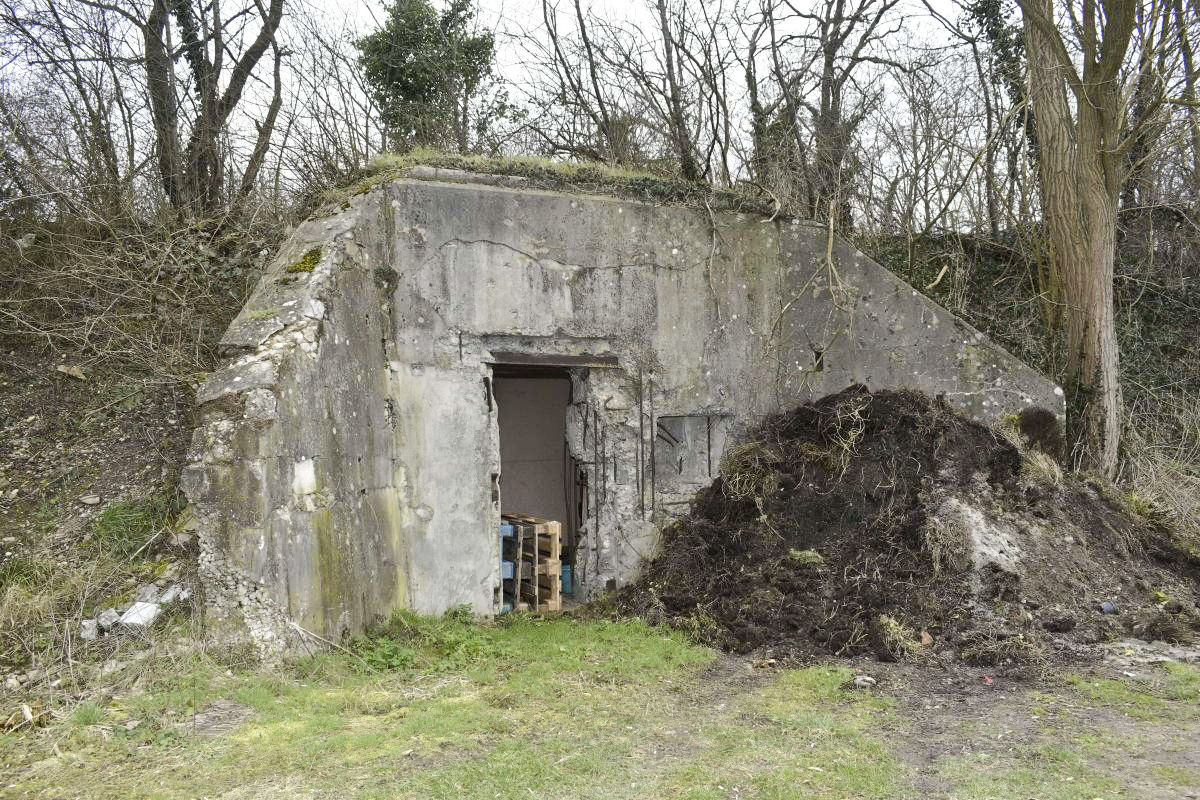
x=139 y=615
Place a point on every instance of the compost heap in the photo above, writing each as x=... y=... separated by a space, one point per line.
x=886 y=523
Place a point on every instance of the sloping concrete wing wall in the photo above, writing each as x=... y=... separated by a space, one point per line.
x=347 y=462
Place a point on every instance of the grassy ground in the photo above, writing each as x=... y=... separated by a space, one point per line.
x=565 y=709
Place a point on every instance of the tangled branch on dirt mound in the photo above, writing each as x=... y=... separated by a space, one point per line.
x=886 y=523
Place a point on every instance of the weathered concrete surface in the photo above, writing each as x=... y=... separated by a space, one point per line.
x=348 y=457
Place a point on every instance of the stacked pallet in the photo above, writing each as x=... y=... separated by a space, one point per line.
x=531 y=563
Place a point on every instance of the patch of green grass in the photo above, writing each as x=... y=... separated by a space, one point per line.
x=409 y=641
x=1047 y=772
x=537 y=708
x=87 y=713
x=1182 y=683
x=1179 y=777
x=1118 y=694
x=544 y=704
x=127 y=527
x=19 y=570
x=1171 y=691
x=800 y=735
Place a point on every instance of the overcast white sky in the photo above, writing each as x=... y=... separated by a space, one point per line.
x=510 y=17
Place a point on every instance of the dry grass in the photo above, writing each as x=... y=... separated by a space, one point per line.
x=746 y=468
x=53 y=583
x=154 y=296
x=1038 y=469
x=948 y=543
x=1162 y=465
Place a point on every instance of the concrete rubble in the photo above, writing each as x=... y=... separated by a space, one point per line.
x=108 y=619
x=140 y=615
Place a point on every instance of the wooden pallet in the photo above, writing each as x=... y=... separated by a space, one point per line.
x=536 y=548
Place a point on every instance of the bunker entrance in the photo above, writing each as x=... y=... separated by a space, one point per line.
x=539 y=476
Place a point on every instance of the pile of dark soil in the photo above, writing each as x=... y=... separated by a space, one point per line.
x=886 y=523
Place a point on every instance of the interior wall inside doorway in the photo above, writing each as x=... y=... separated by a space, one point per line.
x=533 y=457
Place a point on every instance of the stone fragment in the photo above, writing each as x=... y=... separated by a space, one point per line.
x=181 y=540
x=147 y=593
x=140 y=615
x=90 y=499
x=174 y=594
x=108 y=618
x=89 y=629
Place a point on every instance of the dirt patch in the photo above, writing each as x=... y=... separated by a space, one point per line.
x=220 y=719
x=101 y=436
x=886 y=523
x=961 y=716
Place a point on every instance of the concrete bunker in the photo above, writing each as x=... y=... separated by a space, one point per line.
x=448 y=346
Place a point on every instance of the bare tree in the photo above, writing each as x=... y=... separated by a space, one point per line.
x=677 y=122
x=623 y=94
x=1084 y=144
x=78 y=141
x=189 y=151
x=1186 y=13
x=816 y=69
x=330 y=126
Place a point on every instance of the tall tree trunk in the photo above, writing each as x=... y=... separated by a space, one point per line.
x=1191 y=73
x=1079 y=201
x=991 y=198
x=160 y=83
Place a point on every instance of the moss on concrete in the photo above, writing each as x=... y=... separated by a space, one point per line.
x=307 y=262
x=329 y=561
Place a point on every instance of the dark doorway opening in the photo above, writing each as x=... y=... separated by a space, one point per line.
x=538 y=474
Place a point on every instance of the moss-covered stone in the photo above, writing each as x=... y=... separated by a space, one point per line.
x=307 y=262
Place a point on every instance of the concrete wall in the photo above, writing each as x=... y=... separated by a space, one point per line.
x=348 y=456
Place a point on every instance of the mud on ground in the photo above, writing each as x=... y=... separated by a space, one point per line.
x=886 y=523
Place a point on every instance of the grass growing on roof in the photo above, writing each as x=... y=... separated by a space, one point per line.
x=582 y=176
